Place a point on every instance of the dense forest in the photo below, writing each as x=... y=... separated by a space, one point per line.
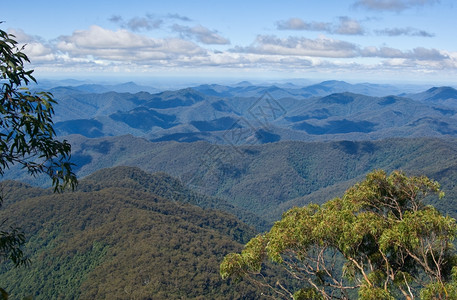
x=270 y=178
x=112 y=239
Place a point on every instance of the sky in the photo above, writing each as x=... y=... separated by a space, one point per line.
x=353 y=40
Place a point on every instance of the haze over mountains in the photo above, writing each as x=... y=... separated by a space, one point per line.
x=223 y=128
x=255 y=114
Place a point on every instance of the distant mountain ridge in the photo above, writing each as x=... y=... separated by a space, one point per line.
x=126 y=87
x=247 y=89
x=213 y=112
x=445 y=96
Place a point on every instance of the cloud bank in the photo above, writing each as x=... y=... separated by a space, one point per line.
x=98 y=49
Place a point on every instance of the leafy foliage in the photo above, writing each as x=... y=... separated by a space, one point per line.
x=27 y=137
x=378 y=240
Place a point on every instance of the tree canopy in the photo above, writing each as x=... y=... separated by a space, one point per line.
x=378 y=241
x=27 y=137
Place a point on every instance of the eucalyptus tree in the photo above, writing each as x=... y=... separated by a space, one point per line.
x=27 y=137
x=378 y=241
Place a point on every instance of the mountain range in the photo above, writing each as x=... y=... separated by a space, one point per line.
x=250 y=114
x=171 y=181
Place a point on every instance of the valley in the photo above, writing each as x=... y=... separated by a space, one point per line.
x=173 y=181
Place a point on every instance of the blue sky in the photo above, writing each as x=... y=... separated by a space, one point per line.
x=354 y=40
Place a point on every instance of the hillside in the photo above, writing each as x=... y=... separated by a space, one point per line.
x=114 y=240
x=167 y=187
x=445 y=96
x=264 y=178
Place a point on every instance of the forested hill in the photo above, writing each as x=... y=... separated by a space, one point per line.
x=168 y=187
x=264 y=178
x=114 y=240
x=267 y=179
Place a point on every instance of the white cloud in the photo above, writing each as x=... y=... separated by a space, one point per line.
x=123 y=45
x=332 y=48
x=39 y=53
x=36 y=49
x=97 y=49
x=418 y=53
x=421 y=53
x=299 y=24
x=147 y=23
x=320 y=47
x=349 y=26
x=385 y=52
x=179 y=17
x=150 y=22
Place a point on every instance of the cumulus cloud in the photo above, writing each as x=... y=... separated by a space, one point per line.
x=408 y=31
x=123 y=45
x=143 y=23
x=384 y=52
x=200 y=34
x=418 y=53
x=101 y=50
x=392 y=5
x=325 y=47
x=348 y=26
x=146 y=22
x=35 y=47
x=150 y=22
x=250 y=60
x=421 y=53
x=345 y=25
x=320 y=47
